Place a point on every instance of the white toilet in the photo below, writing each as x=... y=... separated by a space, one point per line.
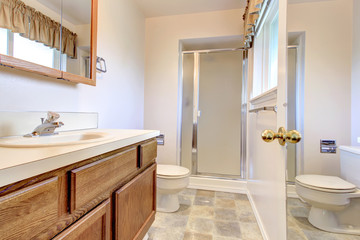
x=171 y=180
x=335 y=202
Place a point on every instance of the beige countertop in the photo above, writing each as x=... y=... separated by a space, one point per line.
x=18 y=163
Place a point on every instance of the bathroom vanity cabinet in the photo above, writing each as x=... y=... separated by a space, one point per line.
x=109 y=196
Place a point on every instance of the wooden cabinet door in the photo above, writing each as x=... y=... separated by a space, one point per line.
x=29 y=211
x=95 y=225
x=135 y=206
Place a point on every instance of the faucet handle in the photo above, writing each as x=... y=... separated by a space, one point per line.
x=59 y=124
x=52 y=116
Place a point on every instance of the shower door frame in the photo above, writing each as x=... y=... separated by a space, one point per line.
x=299 y=121
x=196 y=114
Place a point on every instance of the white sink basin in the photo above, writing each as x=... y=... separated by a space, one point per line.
x=61 y=139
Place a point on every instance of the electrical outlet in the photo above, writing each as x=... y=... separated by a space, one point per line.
x=358 y=139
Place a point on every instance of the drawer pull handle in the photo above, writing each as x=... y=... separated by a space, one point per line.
x=139 y=156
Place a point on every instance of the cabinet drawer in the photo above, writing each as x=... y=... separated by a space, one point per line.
x=92 y=180
x=95 y=225
x=29 y=211
x=148 y=152
x=135 y=206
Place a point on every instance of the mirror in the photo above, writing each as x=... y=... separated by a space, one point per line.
x=56 y=38
x=76 y=20
x=30 y=31
x=320 y=55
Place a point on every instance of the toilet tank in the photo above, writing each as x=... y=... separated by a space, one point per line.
x=350 y=164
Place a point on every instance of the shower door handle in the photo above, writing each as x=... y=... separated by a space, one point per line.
x=282 y=135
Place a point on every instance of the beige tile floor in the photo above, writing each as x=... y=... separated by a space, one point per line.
x=207 y=215
x=299 y=227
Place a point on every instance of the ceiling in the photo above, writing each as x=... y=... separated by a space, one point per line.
x=75 y=11
x=79 y=11
x=157 y=8
x=305 y=1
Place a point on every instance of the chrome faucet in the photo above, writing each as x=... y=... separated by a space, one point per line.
x=47 y=126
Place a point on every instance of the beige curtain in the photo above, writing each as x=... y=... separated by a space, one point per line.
x=68 y=42
x=250 y=16
x=34 y=25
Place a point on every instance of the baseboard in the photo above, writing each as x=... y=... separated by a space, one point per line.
x=290 y=191
x=214 y=184
x=257 y=216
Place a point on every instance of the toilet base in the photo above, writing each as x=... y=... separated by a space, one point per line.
x=328 y=221
x=167 y=202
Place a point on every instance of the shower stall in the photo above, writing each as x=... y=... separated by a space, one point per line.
x=291 y=158
x=213 y=108
x=295 y=102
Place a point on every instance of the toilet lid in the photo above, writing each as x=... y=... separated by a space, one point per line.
x=325 y=183
x=171 y=170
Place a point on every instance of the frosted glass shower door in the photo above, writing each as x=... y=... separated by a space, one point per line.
x=187 y=112
x=291 y=113
x=219 y=122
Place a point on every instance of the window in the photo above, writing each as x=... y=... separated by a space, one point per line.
x=273 y=52
x=12 y=44
x=3 y=41
x=33 y=51
x=258 y=61
x=266 y=54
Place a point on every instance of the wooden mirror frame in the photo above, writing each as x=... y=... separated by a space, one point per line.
x=20 y=64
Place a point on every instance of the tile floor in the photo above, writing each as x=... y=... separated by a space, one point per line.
x=207 y=215
x=299 y=227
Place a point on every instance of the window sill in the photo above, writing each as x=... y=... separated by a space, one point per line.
x=264 y=97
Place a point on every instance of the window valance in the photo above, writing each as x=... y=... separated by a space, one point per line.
x=250 y=16
x=34 y=25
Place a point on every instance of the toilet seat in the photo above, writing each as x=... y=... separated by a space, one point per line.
x=331 y=184
x=171 y=171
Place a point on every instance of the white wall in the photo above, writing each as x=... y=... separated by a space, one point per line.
x=161 y=66
x=355 y=77
x=119 y=93
x=327 y=89
x=118 y=96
